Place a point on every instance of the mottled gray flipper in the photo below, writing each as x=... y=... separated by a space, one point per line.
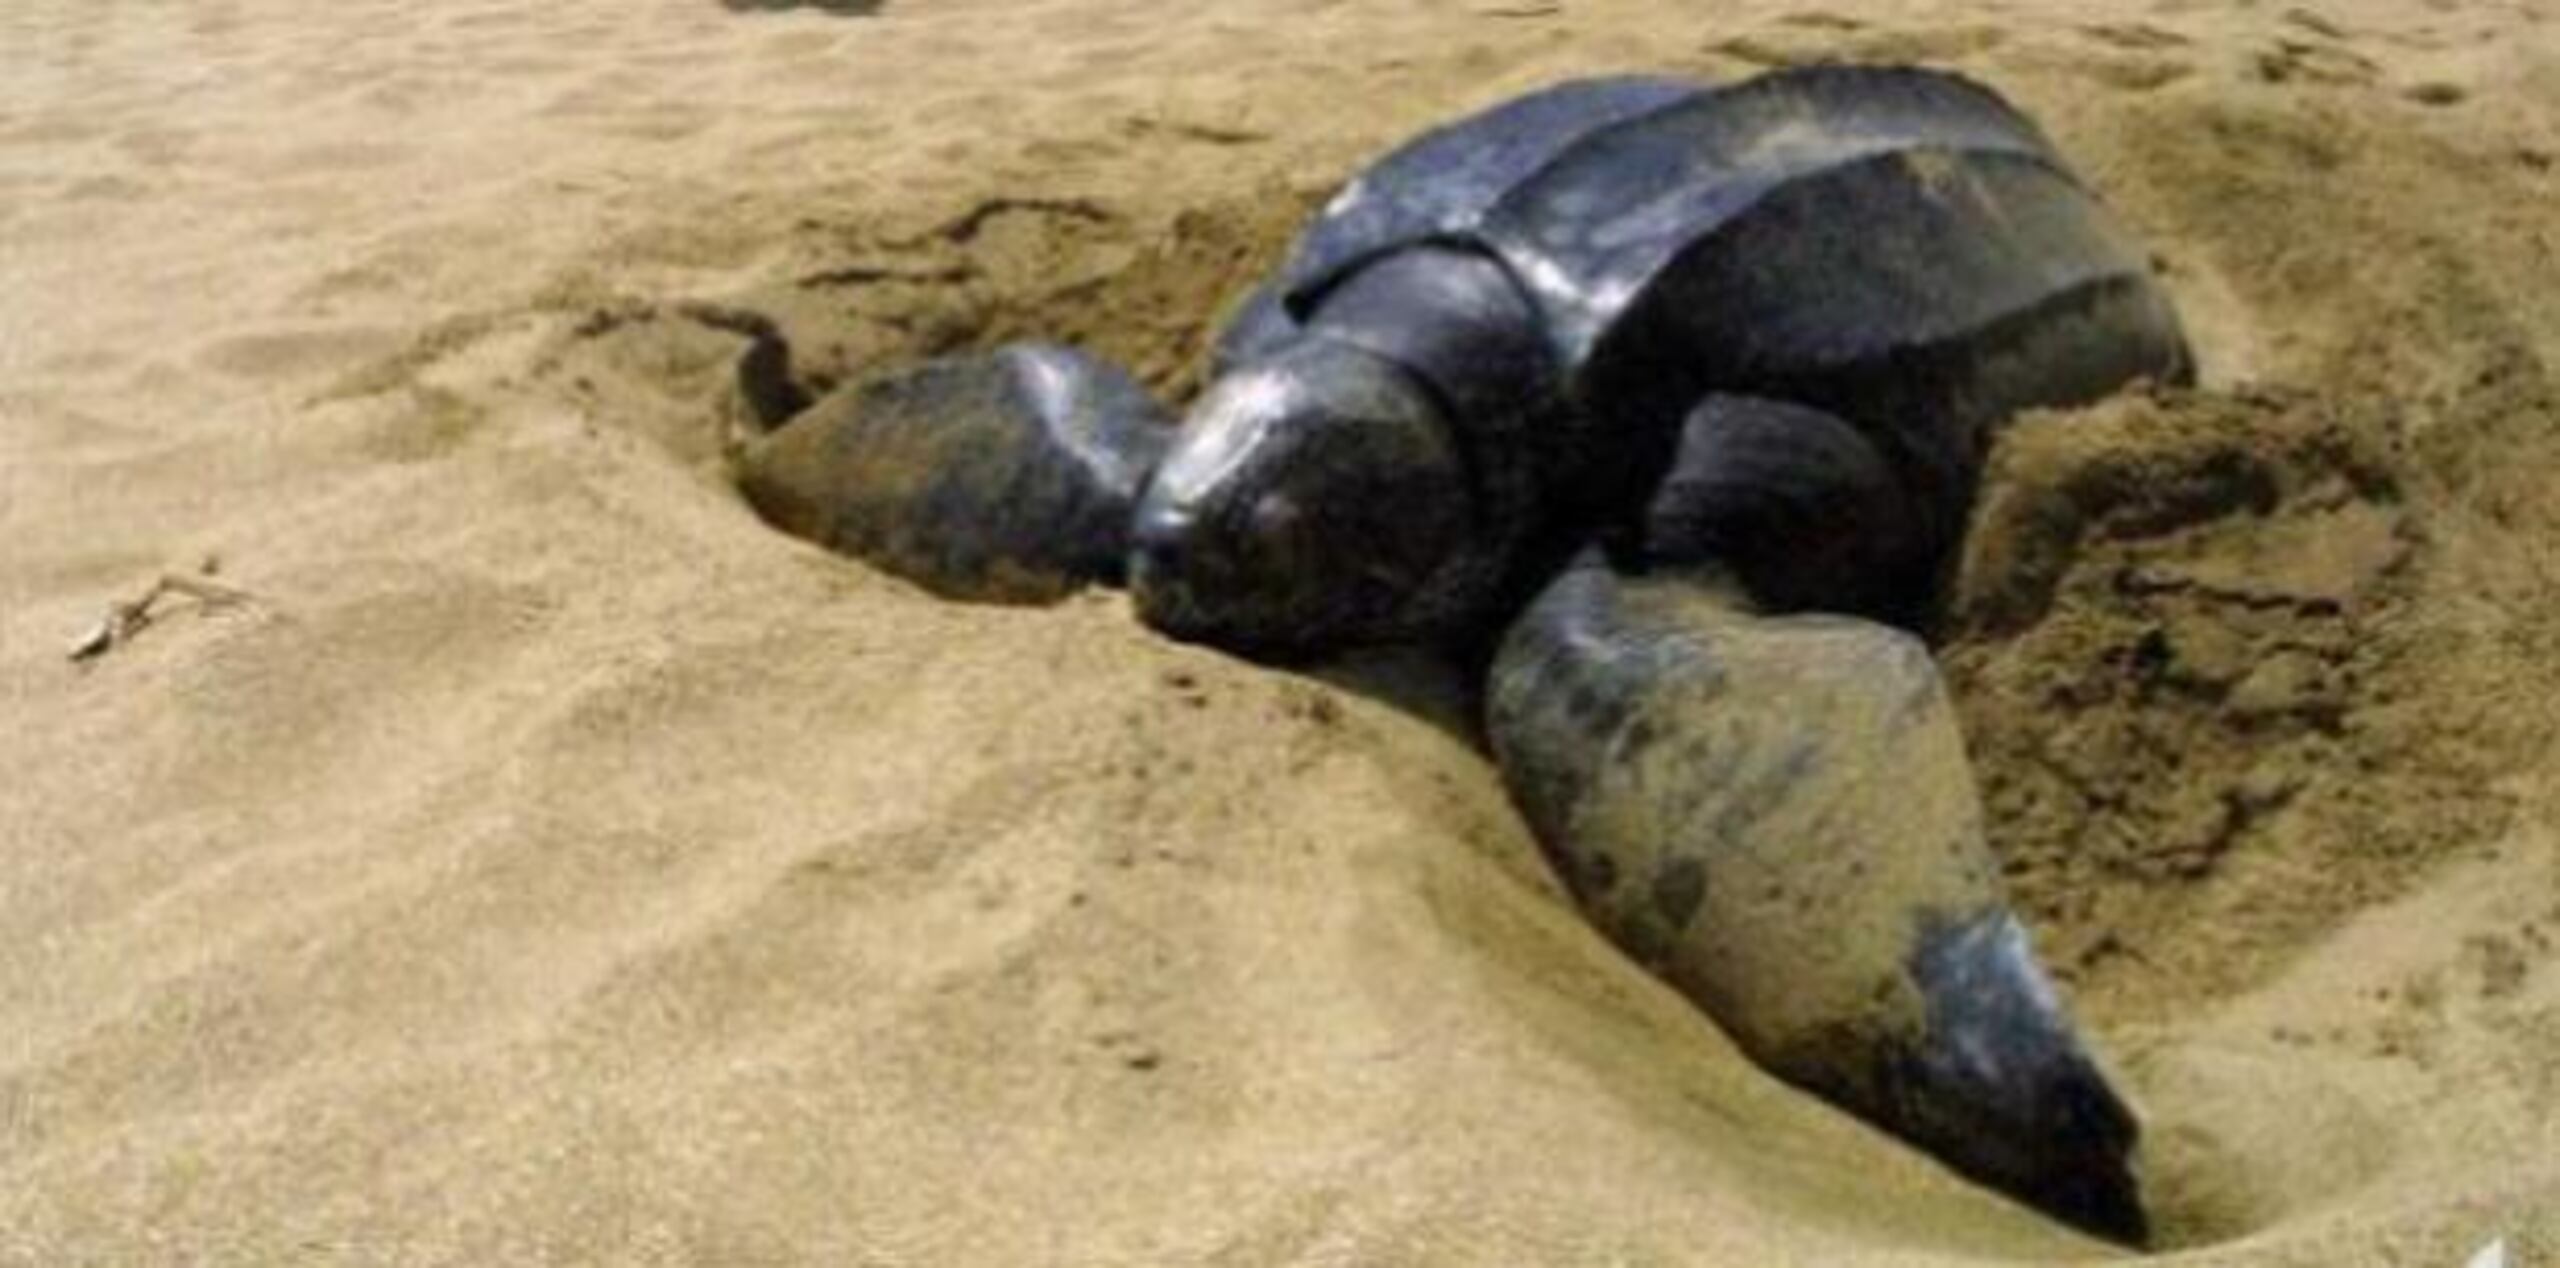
x=1776 y=814
x=1008 y=475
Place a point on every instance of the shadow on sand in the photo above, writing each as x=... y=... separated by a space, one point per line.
x=840 y=8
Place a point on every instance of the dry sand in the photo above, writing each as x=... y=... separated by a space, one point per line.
x=554 y=865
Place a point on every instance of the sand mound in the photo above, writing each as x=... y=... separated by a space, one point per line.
x=552 y=863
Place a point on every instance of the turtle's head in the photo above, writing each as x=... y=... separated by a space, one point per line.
x=1313 y=499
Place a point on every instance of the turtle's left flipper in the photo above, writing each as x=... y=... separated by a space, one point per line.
x=1005 y=475
x=1775 y=813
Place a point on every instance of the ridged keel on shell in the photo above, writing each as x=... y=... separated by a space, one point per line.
x=1897 y=247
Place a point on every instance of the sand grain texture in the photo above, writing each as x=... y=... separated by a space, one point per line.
x=555 y=865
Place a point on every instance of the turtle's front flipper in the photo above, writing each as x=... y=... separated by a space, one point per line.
x=1776 y=814
x=1006 y=475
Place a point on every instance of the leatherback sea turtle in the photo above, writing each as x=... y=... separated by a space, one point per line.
x=1664 y=400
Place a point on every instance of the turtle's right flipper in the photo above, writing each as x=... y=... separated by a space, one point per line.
x=1775 y=813
x=1006 y=475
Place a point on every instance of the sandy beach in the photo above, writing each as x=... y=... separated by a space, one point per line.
x=525 y=855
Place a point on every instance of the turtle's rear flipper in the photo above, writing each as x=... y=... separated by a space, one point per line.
x=1006 y=475
x=1775 y=813
x=1806 y=510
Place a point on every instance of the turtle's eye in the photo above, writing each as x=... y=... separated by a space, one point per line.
x=1275 y=515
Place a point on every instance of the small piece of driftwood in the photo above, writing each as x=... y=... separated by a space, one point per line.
x=130 y=617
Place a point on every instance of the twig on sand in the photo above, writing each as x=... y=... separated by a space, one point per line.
x=130 y=617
